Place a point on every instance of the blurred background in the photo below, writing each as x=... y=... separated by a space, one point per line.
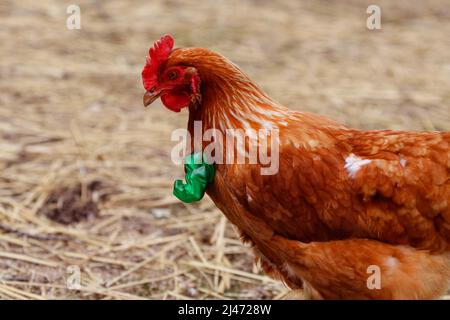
x=86 y=209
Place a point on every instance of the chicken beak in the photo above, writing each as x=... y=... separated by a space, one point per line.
x=150 y=96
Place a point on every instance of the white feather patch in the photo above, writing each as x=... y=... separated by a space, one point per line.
x=354 y=163
x=403 y=162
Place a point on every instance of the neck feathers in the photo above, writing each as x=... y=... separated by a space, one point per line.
x=230 y=100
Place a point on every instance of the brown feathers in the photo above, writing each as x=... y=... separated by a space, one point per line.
x=343 y=202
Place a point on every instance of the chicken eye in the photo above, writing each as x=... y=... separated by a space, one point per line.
x=172 y=75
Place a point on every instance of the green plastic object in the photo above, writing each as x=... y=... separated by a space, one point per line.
x=199 y=174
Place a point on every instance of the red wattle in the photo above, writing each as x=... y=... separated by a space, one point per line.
x=176 y=101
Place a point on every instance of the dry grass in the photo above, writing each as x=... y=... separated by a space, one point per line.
x=86 y=174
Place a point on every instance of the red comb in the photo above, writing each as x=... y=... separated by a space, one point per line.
x=157 y=55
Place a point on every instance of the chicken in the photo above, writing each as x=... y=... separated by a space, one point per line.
x=349 y=214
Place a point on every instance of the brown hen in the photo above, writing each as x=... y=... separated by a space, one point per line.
x=349 y=214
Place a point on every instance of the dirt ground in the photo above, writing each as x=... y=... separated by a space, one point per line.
x=85 y=170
